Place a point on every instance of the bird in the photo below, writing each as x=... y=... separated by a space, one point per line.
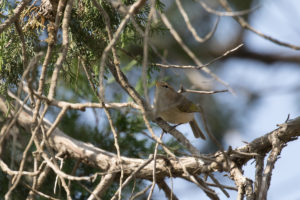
x=175 y=108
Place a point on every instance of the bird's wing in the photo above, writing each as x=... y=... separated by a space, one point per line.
x=187 y=106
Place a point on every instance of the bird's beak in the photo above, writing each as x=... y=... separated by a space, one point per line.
x=157 y=83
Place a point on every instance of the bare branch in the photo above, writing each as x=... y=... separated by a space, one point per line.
x=15 y=16
x=4 y=130
x=200 y=66
x=52 y=31
x=40 y=180
x=208 y=191
x=140 y=193
x=258 y=174
x=39 y=193
x=244 y=184
x=65 y=45
x=10 y=172
x=168 y=192
x=247 y=26
x=145 y=52
x=178 y=135
x=132 y=175
x=222 y=188
x=230 y=13
x=57 y=120
x=21 y=35
x=277 y=146
x=115 y=38
x=104 y=184
x=190 y=53
x=182 y=90
x=62 y=174
x=145 y=108
x=154 y=168
x=191 y=28
x=98 y=157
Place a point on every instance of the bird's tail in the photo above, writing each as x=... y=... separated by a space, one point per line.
x=196 y=130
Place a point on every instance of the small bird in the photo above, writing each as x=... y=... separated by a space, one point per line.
x=175 y=108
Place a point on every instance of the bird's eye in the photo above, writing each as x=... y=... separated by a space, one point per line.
x=165 y=86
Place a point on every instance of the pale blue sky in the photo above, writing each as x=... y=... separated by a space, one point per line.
x=277 y=19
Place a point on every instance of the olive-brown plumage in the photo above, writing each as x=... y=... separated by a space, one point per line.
x=175 y=108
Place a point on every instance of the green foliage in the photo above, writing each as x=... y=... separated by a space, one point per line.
x=131 y=144
x=11 y=61
x=11 y=66
x=88 y=38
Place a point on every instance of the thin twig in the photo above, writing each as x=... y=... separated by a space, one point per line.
x=190 y=53
x=62 y=174
x=178 y=136
x=32 y=64
x=10 y=172
x=145 y=52
x=230 y=13
x=224 y=186
x=168 y=192
x=87 y=189
x=57 y=120
x=129 y=178
x=17 y=177
x=220 y=186
x=154 y=168
x=247 y=26
x=208 y=191
x=212 y=137
x=40 y=180
x=39 y=193
x=6 y=128
x=141 y=32
x=23 y=46
x=122 y=80
x=112 y=40
x=52 y=31
x=182 y=90
x=115 y=38
x=191 y=28
x=65 y=45
x=200 y=66
x=15 y=16
x=140 y=193
x=104 y=184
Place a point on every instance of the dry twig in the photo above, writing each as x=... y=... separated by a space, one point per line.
x=191 y=28
x=247 y=26
x=15 y=16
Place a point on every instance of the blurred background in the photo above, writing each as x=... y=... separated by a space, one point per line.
x=264 y=76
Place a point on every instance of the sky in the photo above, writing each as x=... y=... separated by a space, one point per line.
x=277 y=19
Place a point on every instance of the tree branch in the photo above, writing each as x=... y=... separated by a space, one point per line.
x=15 y=16
x=91 y=155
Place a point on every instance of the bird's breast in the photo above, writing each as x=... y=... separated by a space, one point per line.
x=175 y=116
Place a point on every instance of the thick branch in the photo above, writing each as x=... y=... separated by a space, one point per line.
x=103 y=159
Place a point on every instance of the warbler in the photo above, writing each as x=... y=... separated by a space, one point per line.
x=175 y=108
